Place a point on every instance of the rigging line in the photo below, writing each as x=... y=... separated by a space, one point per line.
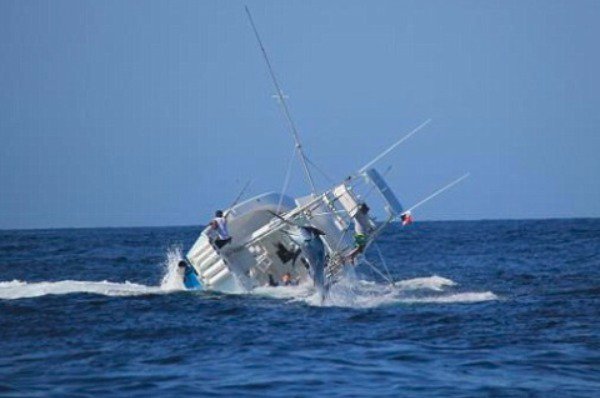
x=373 y=186
x=237 y=198
x=378 y=231
x=286 y=180
x=328 y=213
x=337 y=246
x=439 y=191
x=351 y=221
x=400 y=141
x=283 y=105
x=295 y=212
x=374 y=268
x=327 y=177
x=382 y=259
x=349 y=224
x=369 y=192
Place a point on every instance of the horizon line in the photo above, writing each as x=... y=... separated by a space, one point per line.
x=203 y=225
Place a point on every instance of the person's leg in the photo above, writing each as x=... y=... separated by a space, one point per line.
x=355 y=252
x=222 y=242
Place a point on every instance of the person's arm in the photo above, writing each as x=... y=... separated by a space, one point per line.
x=210 y=232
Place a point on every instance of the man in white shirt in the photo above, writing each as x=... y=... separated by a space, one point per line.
x=219 y=224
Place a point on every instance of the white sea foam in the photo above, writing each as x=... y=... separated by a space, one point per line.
x=433 y=282
x=19 y=290
x=468 y=297
x=352 y=292
x=172 y=281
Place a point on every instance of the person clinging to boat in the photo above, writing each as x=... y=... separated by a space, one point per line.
x=211 y=231
x=218 y=230
x=362 y=229
x=188 y=275
x=286 y=280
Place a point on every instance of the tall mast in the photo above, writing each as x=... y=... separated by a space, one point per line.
x=286 y=111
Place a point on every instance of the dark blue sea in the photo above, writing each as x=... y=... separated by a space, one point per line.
x=486 y=308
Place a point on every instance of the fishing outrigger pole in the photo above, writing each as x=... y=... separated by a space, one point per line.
x=286 y=111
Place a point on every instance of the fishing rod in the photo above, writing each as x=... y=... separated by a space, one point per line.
x=284 y=106
x=237 y=198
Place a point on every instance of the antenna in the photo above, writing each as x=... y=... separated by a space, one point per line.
x=284 y=106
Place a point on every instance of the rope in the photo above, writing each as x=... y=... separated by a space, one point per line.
x=286 y=180
x=327 y=177
x=382 y=259
x=374 y=268
x=337 y=247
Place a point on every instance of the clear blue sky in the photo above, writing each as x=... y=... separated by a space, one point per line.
x=127 y=113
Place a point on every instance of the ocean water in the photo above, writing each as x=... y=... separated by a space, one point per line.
x=487 y=308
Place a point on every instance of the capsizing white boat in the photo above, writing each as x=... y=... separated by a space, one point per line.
x=312 y=238
x=268 y=240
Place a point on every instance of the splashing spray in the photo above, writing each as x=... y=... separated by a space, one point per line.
x=173 y=279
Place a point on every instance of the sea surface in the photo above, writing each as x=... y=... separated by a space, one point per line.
x=485 y=308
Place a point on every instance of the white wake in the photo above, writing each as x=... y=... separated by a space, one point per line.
x=19 y=290
x=171 y=281
x=352 y=292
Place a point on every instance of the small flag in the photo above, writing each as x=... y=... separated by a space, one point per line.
x=406 y=218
